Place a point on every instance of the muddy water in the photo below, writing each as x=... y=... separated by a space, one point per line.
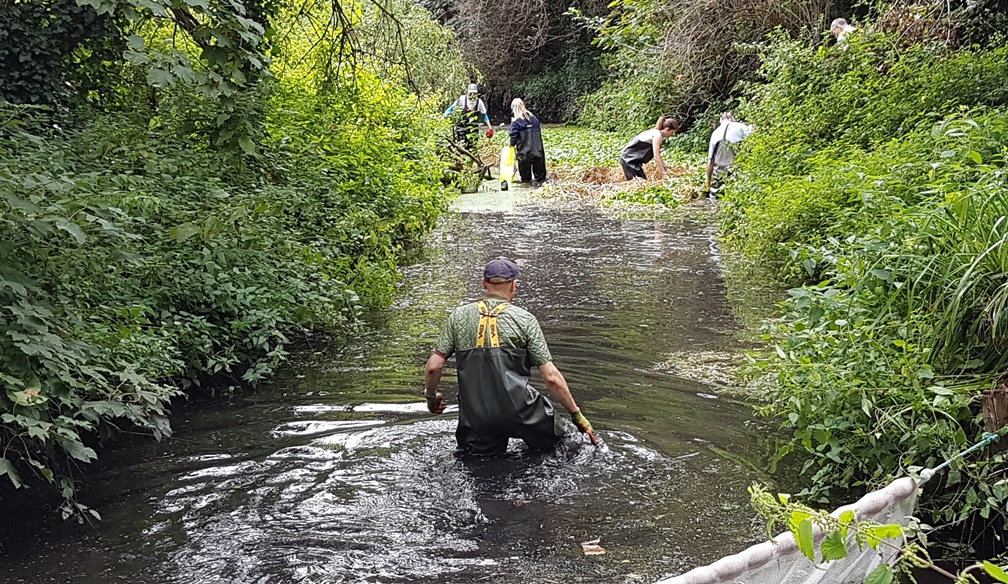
x=336 y=473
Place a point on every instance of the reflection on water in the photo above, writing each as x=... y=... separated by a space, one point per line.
x=338 y=474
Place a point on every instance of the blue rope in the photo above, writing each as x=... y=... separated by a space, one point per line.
x=988 y=438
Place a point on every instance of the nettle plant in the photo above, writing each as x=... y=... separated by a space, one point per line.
x=844 y=532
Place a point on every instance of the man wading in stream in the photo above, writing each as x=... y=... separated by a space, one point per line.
x=496 y=344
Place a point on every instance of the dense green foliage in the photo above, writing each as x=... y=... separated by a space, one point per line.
x=552 y=91
x=72 y=51
x=150 y=245
x=870 y=104
x=877 y=178
x=680 y=58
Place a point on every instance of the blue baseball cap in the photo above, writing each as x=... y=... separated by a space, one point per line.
x=500 y=269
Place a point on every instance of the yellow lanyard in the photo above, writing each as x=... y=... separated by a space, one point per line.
x=488 y=319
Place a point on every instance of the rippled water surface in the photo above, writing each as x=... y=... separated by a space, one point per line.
x=337 y=473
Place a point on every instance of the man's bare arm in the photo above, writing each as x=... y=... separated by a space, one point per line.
x=432 y=376
x=656 y=148
x=557 y=386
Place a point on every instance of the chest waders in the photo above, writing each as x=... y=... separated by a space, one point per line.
x=468 y=123
x=496 y=400
x=723 y=158
x=634 y=156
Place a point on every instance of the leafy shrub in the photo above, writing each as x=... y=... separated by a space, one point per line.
x=863 y=94
x=868 y=180
x=679 y=58
x=131 y=257
x=620 y=105
x=829 y=118
x=57 y=52
x=552 y=93
x=227 y=201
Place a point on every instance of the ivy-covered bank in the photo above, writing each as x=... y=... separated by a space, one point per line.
x=876 y=184
x=221 y=179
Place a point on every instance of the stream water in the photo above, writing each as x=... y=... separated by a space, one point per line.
x=336 y=472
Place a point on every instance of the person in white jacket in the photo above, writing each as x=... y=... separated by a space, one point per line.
x=840 y=29
x=720 y=154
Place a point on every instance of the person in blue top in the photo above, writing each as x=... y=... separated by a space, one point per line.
x=470 y=112
x=526 y=137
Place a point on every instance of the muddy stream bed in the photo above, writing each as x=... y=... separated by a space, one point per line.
x=336 y=473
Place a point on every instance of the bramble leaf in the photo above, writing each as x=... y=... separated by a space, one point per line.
x=6 y=468
x=877 y=533
x=995 y=571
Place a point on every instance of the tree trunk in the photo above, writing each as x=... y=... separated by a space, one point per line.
x=994 y=404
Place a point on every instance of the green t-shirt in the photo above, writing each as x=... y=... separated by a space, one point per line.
x=517 y=329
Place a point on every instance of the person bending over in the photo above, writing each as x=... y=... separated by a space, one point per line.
x=646 y=146
x=720 y=154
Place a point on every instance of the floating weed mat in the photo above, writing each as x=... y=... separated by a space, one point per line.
x=601 y=176
x=605 y=175
x=720 y=369
x=627 y=199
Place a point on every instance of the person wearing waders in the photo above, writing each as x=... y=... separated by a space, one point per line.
x=496 y=344
x=720 y=154
x=472 y=112
x=526 y=137
x=645 y=146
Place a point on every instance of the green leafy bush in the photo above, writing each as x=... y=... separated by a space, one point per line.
x=249 y=176
x=829 y=118
x=130 y=257
x=863 y=94
x=58 y=52
x=876 y=177
x=680 y=58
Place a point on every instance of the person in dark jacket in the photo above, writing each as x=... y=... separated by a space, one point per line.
x=496 y=344
x=646 y=146
x=526 y=137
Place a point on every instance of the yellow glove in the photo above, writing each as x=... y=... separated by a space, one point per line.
x=584 y=425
